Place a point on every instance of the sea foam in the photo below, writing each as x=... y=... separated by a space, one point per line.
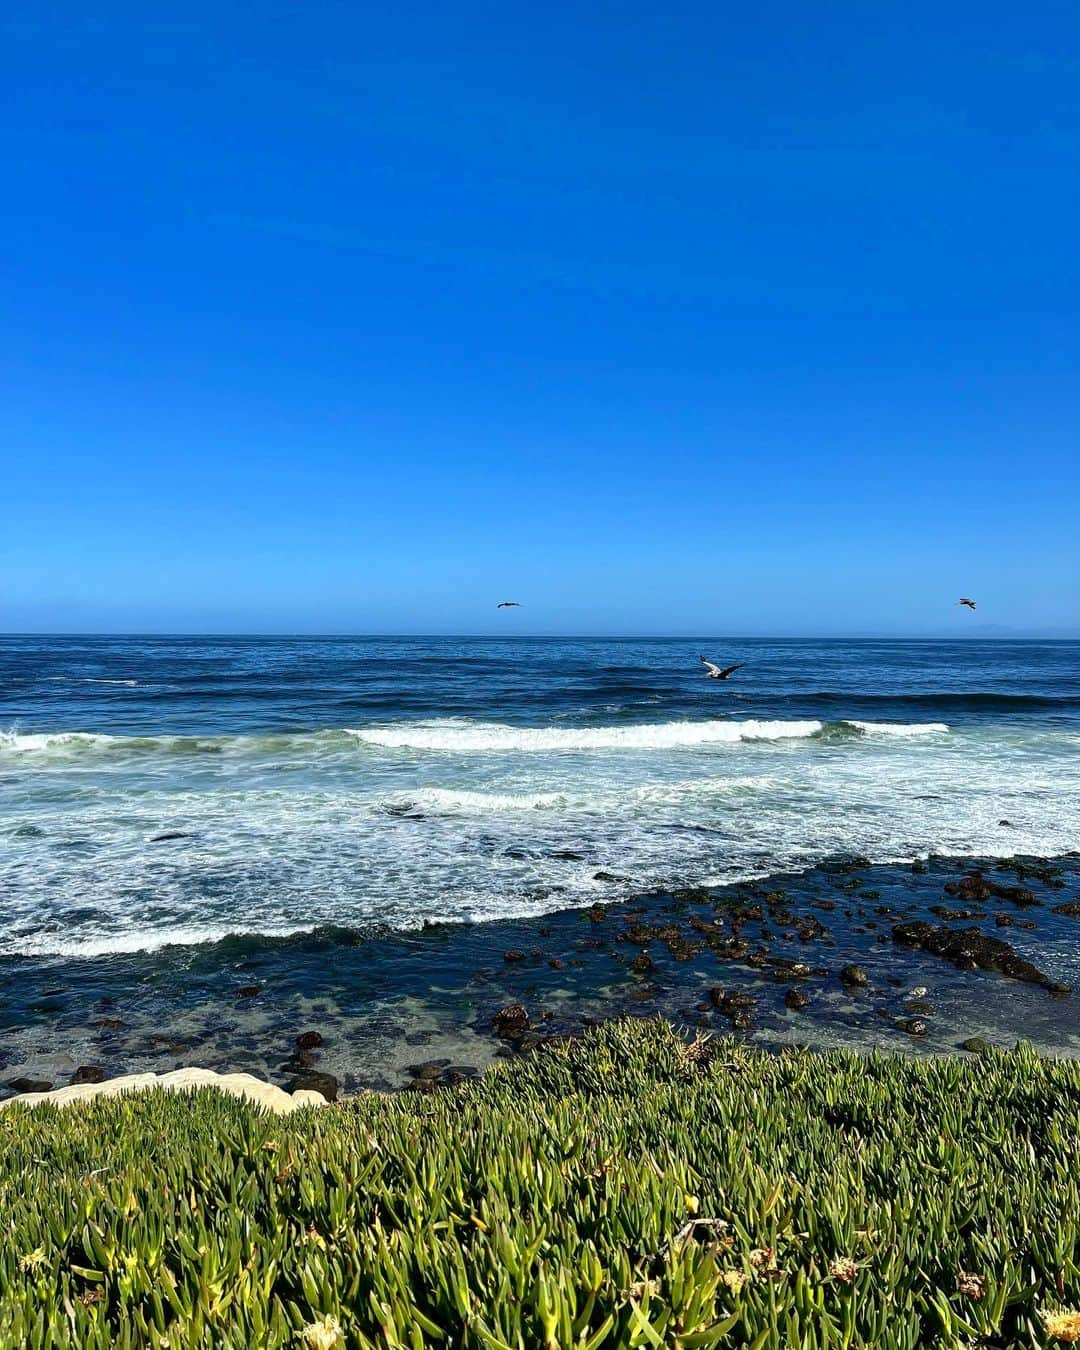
x=453 y=736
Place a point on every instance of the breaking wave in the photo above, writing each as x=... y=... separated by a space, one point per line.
x=455 y=736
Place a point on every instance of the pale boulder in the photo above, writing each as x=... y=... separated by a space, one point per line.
x=266 y=1095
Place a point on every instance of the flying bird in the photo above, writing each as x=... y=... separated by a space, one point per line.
x=714 y=672
x=965 y=601
x=508 y=604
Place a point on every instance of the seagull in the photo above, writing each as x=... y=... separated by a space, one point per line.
x=715 y=673
x=508 y=604
x=965 y=601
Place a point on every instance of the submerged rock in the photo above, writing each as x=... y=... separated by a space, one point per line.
x=308 y=1040
x=796 y=999
x=854 y=977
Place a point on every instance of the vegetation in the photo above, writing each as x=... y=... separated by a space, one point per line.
x=627 y=1190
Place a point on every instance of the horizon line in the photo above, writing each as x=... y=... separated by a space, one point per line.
x=1007 y=636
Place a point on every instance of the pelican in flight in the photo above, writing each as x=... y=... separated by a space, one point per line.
x=508 y=604
x=714 y=672
x=966 y=601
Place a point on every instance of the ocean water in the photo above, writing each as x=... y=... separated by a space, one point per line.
x=162 y=791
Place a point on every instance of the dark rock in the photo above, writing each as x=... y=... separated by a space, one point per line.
x=975 y=888
x=89 y=1073
x=248 y=991
x=968 y=949
x=555 y=963
x=1019 y=895
x=975 y=1045
x=511 y=1021
x=1004 y=920
x=1007 y=823
x=172 y=834
x=642 y=963
x=308 y=1040
x=598 y=913
x=302 y=1059
x=28 y=1085
x=458 y=1073
x=606 y=876
x=514 y=955
x=722 y=998
x=854 y=977
x=109 y=1024
x=919 y=867
x=431 y=1070
x=914 y=1026
x=796 y=999
x=1070 y=910
x=325 y=1083
x=1058 y=989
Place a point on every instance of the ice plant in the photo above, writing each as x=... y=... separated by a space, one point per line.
x=323 y=1335
x=1063 y=1326
x=843 y=1268
x=547 y=1203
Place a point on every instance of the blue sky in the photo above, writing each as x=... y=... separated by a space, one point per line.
x=756 y=319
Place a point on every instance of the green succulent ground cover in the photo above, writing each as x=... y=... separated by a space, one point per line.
x=627 y=1190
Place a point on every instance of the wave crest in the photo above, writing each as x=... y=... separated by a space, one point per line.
x=457 y=736
x=451 y=736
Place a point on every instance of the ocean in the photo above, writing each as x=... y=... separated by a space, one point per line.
x=164 y=797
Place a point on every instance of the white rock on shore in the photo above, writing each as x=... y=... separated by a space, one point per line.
x=245 y=1085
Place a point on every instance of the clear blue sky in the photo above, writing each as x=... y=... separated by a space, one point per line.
x=695 y=317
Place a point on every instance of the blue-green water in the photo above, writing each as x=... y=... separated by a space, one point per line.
x=160 y=794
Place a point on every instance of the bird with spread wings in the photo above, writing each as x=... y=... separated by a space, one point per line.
x=715 y=672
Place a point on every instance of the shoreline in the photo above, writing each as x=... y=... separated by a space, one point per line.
x=339 y=1011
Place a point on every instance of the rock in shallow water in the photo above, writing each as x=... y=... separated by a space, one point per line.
x=511 y=1021
x=88 y=1073
x=968 y=949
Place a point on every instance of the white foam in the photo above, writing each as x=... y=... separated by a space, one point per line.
x=146 y=940
x=898 y=728
x=453 y=736
x=16 y=742
x=455 y=801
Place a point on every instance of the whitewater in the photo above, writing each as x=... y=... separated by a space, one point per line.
x=158 y=792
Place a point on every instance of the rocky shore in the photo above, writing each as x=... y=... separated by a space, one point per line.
x=939 y=956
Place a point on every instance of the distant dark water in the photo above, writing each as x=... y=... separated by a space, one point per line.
x=158 y=795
